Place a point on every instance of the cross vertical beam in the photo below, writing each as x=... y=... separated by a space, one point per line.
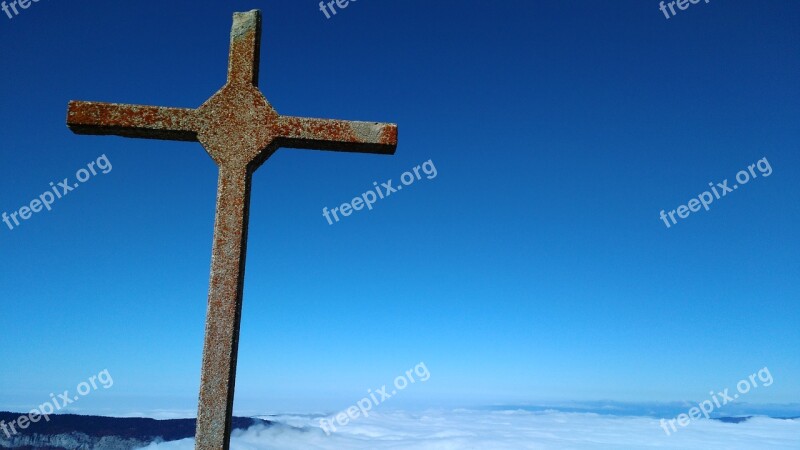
x=224 y=314
x=226 y=284
x=240 y=130
x=245 y=51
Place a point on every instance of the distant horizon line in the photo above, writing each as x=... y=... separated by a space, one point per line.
x=789 y=410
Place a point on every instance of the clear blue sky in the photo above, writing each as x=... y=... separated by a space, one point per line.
x=534 y=267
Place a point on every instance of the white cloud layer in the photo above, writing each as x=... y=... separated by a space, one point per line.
x=508 y=430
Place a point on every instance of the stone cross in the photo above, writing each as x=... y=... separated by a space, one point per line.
x=239 y=129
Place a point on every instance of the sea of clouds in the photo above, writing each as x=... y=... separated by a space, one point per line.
x=508 y=430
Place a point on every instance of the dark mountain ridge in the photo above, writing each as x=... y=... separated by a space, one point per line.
x=74 y=432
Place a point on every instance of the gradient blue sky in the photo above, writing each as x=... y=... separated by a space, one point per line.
x=534 y=267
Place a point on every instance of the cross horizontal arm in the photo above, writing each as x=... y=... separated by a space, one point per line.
x=137 y=121
x=337 y=135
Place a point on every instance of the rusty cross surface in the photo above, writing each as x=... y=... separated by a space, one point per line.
x=239 y=129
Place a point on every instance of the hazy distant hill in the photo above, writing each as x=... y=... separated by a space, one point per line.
x=71 y=432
